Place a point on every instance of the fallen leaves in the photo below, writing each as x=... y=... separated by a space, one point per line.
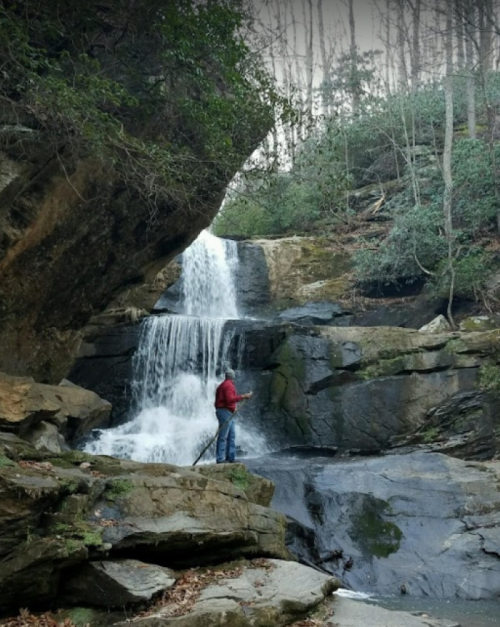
x=27 y=465
x=26 y=619
x=181 y=599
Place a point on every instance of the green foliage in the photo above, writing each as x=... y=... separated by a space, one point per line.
x=241 y=478
x=489 y=378
x=430 y=435
x=118 y=488
x=166 y=92
x=78 y=533
x=470 y=275
x=5 y=461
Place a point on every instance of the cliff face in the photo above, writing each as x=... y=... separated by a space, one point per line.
x=121 y=123
x=70 y=241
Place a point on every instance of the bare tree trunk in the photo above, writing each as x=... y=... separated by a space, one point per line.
x=353 y=55
x=415 y=55
x=308 y=29
x=272 y=57
x=401 y=47
x=388 y=59
x=325 y=65
x=459 y=30
x=447 y=155
x=449 y=39
x=471 y=83
x=485 y=27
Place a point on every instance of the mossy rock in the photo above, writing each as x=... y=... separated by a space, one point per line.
x=489 y=378
x=257 y=489
x=377 y=536
x=479 y=323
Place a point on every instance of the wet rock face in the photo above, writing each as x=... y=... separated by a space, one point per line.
x=252 y=279
x=104 y=365
x=363 y=390
x=424 y=524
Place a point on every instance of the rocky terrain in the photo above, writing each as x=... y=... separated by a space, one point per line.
x=107 y=539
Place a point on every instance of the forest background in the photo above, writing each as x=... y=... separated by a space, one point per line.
x=394 y=147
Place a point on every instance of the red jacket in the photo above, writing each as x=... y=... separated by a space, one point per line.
x=226 y=397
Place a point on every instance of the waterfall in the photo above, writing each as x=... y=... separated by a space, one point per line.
x=176 y=365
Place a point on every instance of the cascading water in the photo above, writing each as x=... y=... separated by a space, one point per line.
x=176 y=365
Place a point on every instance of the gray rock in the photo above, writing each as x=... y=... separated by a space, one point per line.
x=350 y=613
x=46 y=436
x=261 y=596
x=252 y=278
x=438 y=325
x=465 y=426
x=117 y=583
x=423 y=521
x=311 y=314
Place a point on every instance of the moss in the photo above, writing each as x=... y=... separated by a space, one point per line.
x=383 y=368
x=69 y=486
x=489 y=378
x=372 y=532
x=241 y=478
x=76 y=457
x=5 y=461
x=118 y=488
x=430 y=435
x=456 y=346
x=77 y=534
x=291 y=360
x=82 y=616
x=478 y=324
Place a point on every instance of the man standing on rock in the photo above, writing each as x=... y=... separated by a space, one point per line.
x=225 y=405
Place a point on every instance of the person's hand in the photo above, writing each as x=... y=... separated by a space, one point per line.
x=248 y=395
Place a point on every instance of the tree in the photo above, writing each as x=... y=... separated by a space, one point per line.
x=447 y=159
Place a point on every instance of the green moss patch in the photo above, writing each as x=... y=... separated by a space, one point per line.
x=489 y=378
x=430 y=435
x=383 y=368
x=5 y=461
x=77 y=534
x=118 y=488
x=241 y=478
x=376 y=536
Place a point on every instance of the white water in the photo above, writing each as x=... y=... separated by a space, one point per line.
x=177 y=363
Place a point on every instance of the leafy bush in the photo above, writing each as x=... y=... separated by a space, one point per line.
x=165 y=91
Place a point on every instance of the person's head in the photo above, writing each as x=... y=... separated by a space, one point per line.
x=229 y=373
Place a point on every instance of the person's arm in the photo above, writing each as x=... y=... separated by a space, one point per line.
x=230 y=394
x=232 y=397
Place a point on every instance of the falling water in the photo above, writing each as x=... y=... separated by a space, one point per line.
x=176 y=365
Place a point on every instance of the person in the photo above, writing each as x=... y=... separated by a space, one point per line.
x=225 y=405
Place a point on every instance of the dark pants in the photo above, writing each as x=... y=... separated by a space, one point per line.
x=226 y=440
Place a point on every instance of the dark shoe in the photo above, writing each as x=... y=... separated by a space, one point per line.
x=231 y=461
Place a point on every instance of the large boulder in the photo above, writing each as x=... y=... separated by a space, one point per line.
x=25 y=404
x=268 y=593
x=116 y=583
x=60 y=510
